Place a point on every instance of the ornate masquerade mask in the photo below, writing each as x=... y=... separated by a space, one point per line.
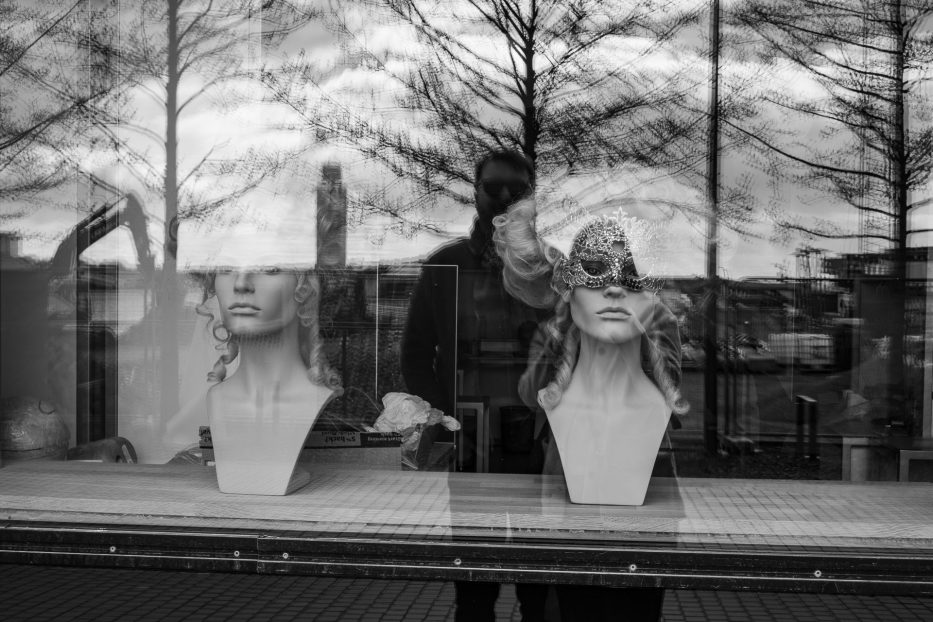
x=600 y=255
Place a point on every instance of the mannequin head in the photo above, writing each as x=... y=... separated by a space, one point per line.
x=263 y=304
x=256 y=304
x=600 y=294
x=608 y=300
x=612 y=314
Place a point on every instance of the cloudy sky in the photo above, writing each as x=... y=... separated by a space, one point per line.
x=236 y=123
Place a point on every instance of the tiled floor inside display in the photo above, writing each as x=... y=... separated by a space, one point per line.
x=34 y=594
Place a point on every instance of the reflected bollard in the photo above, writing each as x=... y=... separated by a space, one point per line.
x=807 y=414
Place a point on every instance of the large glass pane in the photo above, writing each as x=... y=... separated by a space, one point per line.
x=455 y=351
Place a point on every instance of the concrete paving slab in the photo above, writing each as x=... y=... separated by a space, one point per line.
x=49 y=593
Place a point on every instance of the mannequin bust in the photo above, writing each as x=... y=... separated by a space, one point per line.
x=261 y=415
x=609 y=362
x=611 y=417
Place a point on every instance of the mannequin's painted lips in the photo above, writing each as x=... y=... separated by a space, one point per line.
x=243 y=308
x=613 y=313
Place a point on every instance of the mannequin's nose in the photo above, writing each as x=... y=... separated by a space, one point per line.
x=243 y=282
x=614 y=291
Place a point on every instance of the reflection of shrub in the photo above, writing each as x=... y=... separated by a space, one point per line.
x=368 y=369
x=367 y=373
x=354 y=354
x=773 y=463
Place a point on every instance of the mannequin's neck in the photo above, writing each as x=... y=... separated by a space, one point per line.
x=609 y=387
x=269 y=360
x=609 y=367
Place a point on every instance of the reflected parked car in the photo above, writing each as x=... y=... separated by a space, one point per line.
x=809 y=350
x=756 y=357
x=742 y=354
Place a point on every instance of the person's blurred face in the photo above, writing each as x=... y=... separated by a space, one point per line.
x=499 y=185
x=255 y=303
x=611 y=314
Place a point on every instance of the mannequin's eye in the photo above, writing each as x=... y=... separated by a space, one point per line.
x=594 y=267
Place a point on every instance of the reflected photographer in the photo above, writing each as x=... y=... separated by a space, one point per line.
x=448 y=319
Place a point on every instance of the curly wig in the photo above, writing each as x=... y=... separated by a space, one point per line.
x=307 y=294
x=529 y=275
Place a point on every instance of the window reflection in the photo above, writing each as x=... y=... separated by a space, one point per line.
x=366 y=160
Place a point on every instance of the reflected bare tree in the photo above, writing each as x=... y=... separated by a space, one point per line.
x=572 y=85
x=179 y=55
x=55 y=85
x=868 y=63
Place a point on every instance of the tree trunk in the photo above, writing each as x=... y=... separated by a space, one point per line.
x=169 y=303
x=897 y=380
x=530 y=113
x=710 y=369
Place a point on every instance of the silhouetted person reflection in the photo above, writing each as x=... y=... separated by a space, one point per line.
x=482 y=310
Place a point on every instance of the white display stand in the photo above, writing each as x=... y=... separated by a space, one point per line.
x=609 y=429
x=256 y=448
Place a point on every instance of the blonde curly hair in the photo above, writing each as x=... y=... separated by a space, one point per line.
x=529 y=275
x=308 y=295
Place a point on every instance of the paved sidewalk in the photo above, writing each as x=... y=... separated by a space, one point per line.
x=36 y=594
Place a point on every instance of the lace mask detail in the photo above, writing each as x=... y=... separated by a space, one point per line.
x=600 y=255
